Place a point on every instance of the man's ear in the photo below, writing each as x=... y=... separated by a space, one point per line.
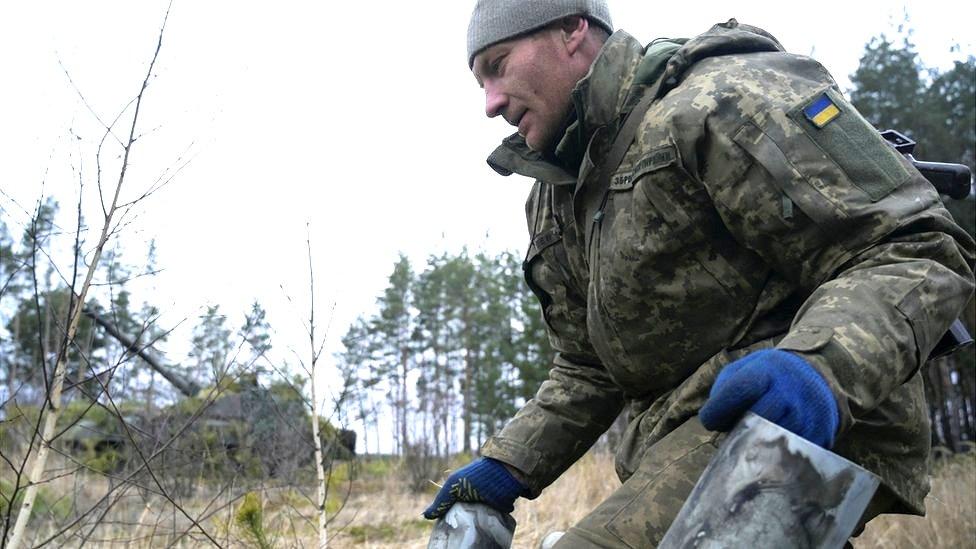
x=573 y=30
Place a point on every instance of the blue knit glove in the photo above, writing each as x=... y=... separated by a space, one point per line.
x=484 y=480
x=779 y=386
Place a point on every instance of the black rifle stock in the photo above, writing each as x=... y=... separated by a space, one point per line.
x=954 y=181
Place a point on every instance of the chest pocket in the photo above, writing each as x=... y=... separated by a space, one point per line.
x=667 y=275
x=663 y=215
x=547 y=275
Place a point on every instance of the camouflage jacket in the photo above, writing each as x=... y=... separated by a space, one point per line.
x=737 y=220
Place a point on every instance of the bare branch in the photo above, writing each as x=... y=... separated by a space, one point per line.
x=108 y=128
x=164 y=179
x=98 y=154
x=292 y=303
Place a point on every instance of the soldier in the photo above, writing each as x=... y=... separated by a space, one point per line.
x=713 y=229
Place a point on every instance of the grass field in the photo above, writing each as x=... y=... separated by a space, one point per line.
x=391 y=518
x=372 y=507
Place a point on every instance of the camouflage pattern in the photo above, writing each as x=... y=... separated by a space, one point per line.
x=732 y=224
x=640 y=512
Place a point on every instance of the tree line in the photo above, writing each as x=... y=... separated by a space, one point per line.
x=449 y=355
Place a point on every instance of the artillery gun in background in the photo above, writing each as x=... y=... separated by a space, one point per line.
x=241 y=429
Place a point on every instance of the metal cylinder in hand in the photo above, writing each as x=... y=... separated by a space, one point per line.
x=472 y=526
x=767 y=487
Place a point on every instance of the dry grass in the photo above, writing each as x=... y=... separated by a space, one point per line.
x=951 y=508
x=566 y=501
x=951 y=520
x=382 y=514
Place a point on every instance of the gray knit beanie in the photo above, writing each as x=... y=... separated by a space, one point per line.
x=497 y=20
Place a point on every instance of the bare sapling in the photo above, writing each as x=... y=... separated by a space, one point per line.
x=47 y=425
x=316 y=353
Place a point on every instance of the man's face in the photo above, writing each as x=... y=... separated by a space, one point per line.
x=528 y=81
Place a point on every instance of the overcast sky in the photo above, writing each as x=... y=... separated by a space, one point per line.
x=360 y=118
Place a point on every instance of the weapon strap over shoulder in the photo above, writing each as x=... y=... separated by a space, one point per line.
x=623 y=139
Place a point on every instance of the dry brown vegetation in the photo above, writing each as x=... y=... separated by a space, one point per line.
x=392 y=518
x=381 y=512
x=951 y=507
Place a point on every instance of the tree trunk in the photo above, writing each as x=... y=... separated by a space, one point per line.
x=364 y=419
x=52 y=408
x=950 y=406
x=404 y=356
x=468 y=397
x=376 y=424
x=437 y=401
x=967 y=392
x=933 y=394
x=12 y=362
x=445 y=424
x=319 y=464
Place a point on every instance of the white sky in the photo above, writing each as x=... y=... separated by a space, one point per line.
x=358 y=117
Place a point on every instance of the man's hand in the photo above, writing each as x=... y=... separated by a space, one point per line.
x=779 y=386
x=484 y=480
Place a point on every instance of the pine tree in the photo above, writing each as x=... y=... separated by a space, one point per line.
x=353 y=364
x=211 y=347
x=532 y=352
x=496 y=377
x=391 y=330
x=950 y=99
x=466 y=333
x=255 y=332
x=888 y=86
x=437 y=379
x=9 y=294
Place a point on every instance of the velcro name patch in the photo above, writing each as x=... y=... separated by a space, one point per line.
x=655 y=160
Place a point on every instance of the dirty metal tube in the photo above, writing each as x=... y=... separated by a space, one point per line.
x=185 y=386
x=767 y=487
x=472 y=526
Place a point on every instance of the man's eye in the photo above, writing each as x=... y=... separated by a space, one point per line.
x=496 y=65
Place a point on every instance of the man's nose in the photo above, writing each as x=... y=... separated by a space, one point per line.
x=495 y=101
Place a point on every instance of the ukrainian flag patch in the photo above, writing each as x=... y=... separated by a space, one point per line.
x=821 y=111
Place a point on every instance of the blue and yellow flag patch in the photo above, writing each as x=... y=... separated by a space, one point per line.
x=821 y=111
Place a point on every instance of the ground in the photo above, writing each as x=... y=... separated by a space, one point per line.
x=377 y=509
x=391 y=518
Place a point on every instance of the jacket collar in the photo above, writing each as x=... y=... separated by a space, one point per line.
x=615 y=82
x=515 y=156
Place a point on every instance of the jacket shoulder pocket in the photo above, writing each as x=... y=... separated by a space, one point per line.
x=839 y=175
x=851 y=142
